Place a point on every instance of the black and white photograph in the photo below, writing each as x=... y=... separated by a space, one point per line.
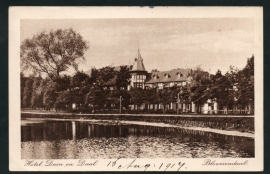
x=161 y=90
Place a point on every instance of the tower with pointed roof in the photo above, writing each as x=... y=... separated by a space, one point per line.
x=138 y=72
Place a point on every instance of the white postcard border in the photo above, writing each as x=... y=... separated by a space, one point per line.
x=18 y=13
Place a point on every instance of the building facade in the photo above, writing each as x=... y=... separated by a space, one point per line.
x=140 y=78
x=180 y=77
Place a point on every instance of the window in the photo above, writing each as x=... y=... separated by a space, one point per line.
x=166 y=84
x=138 y=85
x=211 y=106
x=139 y=77
x=160 y=86
x=156 y=77
x=179 y=74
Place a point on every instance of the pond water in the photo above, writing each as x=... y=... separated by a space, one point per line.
x=86 y=140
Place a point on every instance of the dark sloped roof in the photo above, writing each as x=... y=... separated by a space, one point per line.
x=138 y=63
x=111 y=82
x=168 y=76
x=89 y=72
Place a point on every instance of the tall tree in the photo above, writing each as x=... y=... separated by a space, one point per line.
x=166 y=96
x=123 y=77
x=221 y=89
x=80 y=87
x=50 y=95
x=65 y=98
x=246 y=84
x=150 y=96
x=37 y=93
x=104 y=75
x=199 y=85
x=27 y=92
x=136 y=96
x=64 y=83
x=98 y=94
x=23 y=80
x=53 y=52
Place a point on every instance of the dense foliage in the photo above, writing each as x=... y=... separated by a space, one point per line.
x=55 y=52
x=234 y=87
x=81 y=89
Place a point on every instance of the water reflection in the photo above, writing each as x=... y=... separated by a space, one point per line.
x=77 y=140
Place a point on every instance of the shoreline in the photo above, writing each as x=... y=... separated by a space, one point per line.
x=205 y=129
x=173 y=115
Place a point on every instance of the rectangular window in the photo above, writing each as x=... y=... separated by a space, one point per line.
x=138 y=85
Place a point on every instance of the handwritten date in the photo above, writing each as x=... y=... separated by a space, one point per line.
x=121 y=164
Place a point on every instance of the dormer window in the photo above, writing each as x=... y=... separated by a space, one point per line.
x=167 y=75
x=155 y=76
x=179 y=74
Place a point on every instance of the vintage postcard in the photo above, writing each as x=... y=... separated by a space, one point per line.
x=136 y=89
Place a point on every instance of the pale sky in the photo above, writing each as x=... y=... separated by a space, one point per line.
x=165 y=44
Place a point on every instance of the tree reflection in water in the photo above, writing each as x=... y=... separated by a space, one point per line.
x=77 y=140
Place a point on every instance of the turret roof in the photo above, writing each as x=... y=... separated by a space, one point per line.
x=138 y=63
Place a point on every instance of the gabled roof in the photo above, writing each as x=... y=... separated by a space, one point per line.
x=111 y=82
x=138 y=63
x=175 y=75
x=89 y=72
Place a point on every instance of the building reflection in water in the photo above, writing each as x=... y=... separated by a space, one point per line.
x=72 y=140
